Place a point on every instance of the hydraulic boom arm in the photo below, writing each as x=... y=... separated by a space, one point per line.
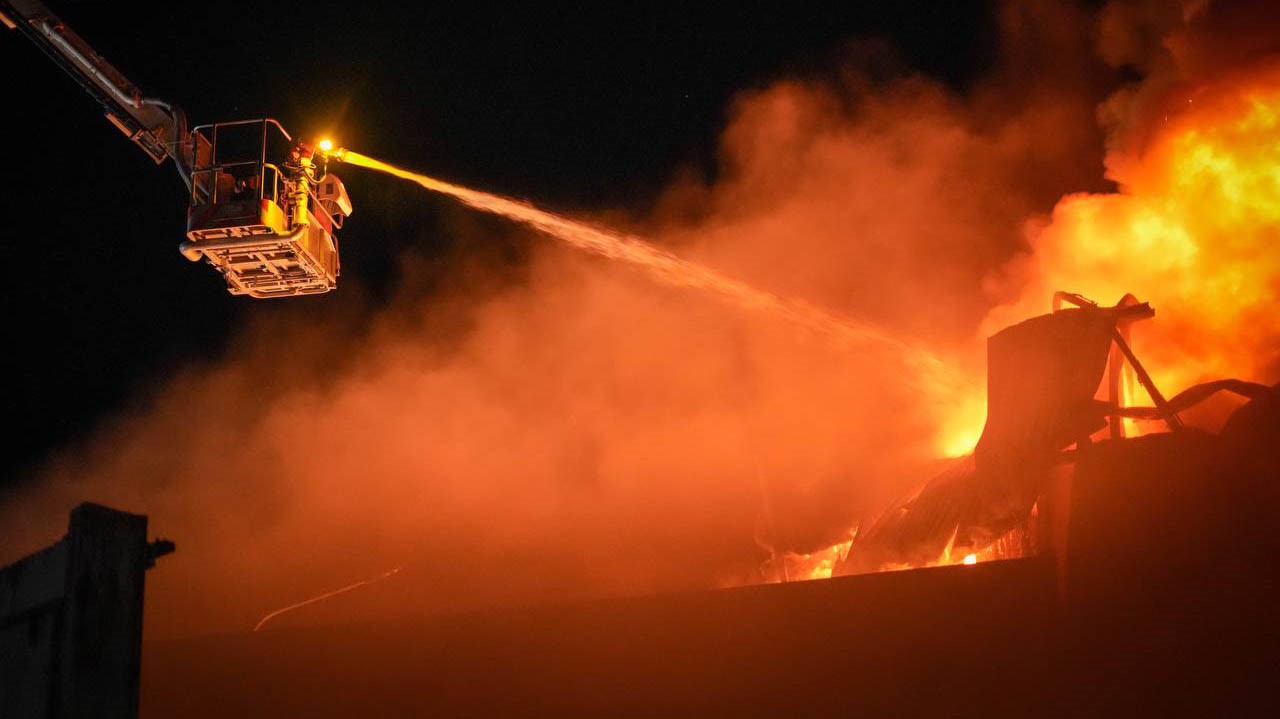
x=159 y=128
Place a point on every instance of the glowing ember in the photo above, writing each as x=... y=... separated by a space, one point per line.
x=970 y=559
x=326 y=595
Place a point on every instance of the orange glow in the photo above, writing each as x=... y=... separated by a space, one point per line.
x=1014 y=544
x=1131 y=395
x=962 y=425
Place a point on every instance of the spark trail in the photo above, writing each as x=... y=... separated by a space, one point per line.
x=326 y=595
x=673 y=270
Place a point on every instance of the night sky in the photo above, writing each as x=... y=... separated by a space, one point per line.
x=576 y=109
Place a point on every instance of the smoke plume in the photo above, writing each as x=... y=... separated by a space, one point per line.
x=580 y=430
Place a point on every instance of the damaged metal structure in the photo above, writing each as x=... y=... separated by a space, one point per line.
x=1043 y=417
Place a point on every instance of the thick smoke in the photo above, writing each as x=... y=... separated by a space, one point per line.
x=584 y=431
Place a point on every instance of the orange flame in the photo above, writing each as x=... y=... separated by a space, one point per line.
x=799 y=566
x=1192 y=229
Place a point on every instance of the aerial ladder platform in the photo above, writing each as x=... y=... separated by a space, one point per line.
x=263 y=209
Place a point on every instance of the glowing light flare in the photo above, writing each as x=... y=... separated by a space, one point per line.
x=325 y=145
x=970 y=559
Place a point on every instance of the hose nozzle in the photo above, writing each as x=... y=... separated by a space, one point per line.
x=329 y=152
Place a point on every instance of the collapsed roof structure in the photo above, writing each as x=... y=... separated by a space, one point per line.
x=1043 y=415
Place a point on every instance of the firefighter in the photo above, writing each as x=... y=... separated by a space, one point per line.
x=246 y=188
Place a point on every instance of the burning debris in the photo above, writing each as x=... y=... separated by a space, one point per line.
x=1042 y=416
